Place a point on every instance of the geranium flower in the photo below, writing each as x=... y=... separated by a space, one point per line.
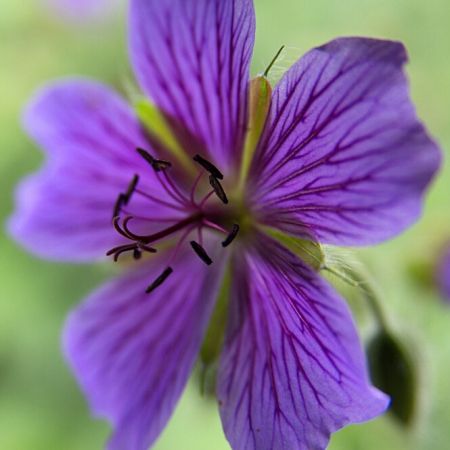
x=443 y=273
x=342 y=160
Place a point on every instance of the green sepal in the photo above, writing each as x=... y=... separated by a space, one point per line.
x=393 y=371
x=213 y=340
x=212 y=343
x=158 y=127
x=308 y=250
x=260 y=95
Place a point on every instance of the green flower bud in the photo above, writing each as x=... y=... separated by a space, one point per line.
x=392 y=370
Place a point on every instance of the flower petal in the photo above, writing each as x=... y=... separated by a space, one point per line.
x=90 y=135
x=192 y=58
x=133 y=352
x=292 y=370
x=344 y=152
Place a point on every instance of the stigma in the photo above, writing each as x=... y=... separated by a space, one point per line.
x=199 y=215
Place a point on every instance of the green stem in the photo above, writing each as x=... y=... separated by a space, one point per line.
x=354 y=278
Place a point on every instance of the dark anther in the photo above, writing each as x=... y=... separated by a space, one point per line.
x=137 y=249
x=201 y=253
x=146 y=248
x=121 y=200
x=218 y=189
x=118 y=228
x=131 y=188
x=117 y=251
x=230 y=238
x=160 y=280
x=157 y=164
x=210 y=167
x=146 y=155
x=137 y=253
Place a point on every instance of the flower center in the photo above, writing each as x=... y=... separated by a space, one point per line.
x=199 y=214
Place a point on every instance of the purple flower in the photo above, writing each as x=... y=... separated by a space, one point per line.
x=443 y=273
x=342 y=160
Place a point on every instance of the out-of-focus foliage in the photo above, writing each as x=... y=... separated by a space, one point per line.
x=40 y=405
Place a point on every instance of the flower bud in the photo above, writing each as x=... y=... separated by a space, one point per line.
x=392 y=370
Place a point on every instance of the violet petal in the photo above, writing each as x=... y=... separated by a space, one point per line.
x=133 y=352
x=344 y=153
x=292 y=369
x=89 y=133
x=192 y=58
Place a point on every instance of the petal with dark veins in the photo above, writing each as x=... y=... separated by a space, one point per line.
x=90 y=137
x=133 y=352
x=343 y=153
x=292 y=369
x=192 y=58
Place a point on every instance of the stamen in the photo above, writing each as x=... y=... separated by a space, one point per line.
x=123 y=199
x=146 y=155
x=118 y=205
x=131 y=188
x=180 y=242
x=160 y=165
x=160 y=280
x=210 y=167
x=137 y=249
x=196 y=220
x=128 y=231
x=120 y=249
x=214 y=226
x=206 y=198
x=230 y=238
x=155 y=199
x=119 y=229
x=200 y=235
x=119 y=252
x=201 y=252
x=157 y=164
x=146 y=248
x=175 y=191
x=147 y=239
x=218 y=189
x=194 y=188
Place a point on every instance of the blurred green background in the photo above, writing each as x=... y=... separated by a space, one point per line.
x=40 y=405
